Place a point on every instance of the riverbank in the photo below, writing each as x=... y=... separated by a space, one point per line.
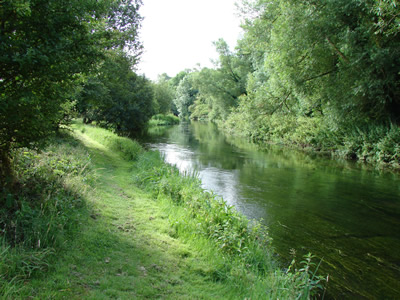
x=332 y=208
x=110 y=220
x=375 y=145
x=163 y=120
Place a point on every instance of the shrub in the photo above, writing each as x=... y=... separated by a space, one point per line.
x=163 y=120
x=368 y=142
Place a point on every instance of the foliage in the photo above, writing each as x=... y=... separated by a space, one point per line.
x=311 y=49
x=319 y=75
x=155 y=245
x=164 y=94
x=200 y=109
x=185 y=96
x=128 y=148
x=50 y=185
x=220 y=88
x=388 y=17
x=116 y=97
x=367 y=142
x=175 y=81
x=163 y=120
x=45 y=46
x=305 y=279
x=204 y=245
x=37 y=221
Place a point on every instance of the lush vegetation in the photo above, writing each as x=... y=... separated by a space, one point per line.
x=58 y=58
x=246 y=256
x=115 y=97
x=46 y=212
x=163 y=120
x=91 y=232
x=319 y=75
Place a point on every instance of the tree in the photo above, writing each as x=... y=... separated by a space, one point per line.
x=92 y=94
x=116 y=97
x=221 y=87
x=163 y=94
x=44 y=47
x=331 y=57
x=388 y=17
x=185 y=96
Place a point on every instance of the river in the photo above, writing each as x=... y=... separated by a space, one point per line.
x=343 y=213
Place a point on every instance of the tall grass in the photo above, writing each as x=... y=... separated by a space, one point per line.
x=245 y=246
x=42 y=211
x=128 y=148
x=373 y=143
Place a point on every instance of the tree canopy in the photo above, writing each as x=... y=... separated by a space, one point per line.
x=115 y=97
x=326 y=68
x=46 y=47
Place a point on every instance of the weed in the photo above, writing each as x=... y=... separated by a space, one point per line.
x=306 y=280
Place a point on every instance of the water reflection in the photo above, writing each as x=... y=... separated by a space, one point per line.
x=348 y=215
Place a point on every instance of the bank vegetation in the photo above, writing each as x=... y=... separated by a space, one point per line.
x=320 y=75
x=98 y=216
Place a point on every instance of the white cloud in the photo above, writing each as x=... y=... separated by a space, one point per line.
x=178 y=34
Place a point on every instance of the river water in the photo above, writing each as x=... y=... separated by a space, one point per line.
x=345 y=214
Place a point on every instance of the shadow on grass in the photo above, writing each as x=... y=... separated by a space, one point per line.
x=120 y=246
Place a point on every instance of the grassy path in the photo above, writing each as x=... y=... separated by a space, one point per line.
x=125 y=249
x=167 y=239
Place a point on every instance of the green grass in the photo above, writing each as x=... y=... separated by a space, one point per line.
x=163 y=120
x=117 y=222
x=128 y=148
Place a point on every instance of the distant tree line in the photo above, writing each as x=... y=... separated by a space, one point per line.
x=322 y=74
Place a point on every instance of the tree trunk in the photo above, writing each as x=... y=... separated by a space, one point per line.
x=6 y=171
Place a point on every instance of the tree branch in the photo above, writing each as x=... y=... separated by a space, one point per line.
x=307 y=53
x=282 y=103
x=223 y=90
x=320 y=75
x=340 y=53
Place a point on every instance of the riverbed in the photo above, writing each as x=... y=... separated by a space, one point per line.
x=346 y=214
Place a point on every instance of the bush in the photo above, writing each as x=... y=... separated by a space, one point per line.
x=163 y=120
x=388 y=147
x=373 y=143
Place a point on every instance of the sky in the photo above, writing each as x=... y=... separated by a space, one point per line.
x=178 y=34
